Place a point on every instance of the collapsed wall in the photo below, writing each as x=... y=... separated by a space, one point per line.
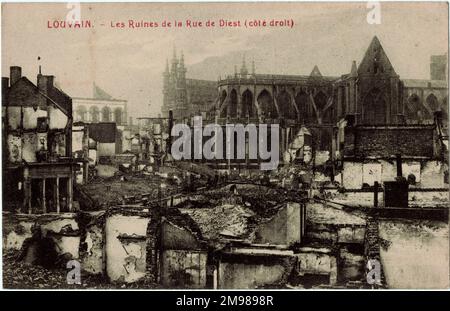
x=129 y=244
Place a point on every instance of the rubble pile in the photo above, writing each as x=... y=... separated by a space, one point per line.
x=105 y=192
x=18 y=274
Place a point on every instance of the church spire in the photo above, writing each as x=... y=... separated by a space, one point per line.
x=315 y=73
x=174 y=67
x=244 y=70
x=174 y=53
x=182 y=60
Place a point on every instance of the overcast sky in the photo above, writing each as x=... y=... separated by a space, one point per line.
x=128 y=63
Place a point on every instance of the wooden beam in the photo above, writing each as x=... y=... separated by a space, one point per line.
x=70 y=193
x=44 y=203
x=27 y=196
x=57 y=195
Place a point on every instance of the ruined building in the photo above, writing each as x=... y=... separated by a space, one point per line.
x=38 y=168
x=371 y=94
x=185 y=97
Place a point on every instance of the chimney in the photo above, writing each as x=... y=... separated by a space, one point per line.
x=15 y=74
x=45 y=83
x=5 y=86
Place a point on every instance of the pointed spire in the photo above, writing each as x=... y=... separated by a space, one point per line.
x=354 y=70
x=244 y=70
x=182 y=59
x=235 y=70
x=174 y=57
x=253 y=67
x=315 y=73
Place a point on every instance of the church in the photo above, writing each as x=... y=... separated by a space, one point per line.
x=370 y=94
x=185 y=97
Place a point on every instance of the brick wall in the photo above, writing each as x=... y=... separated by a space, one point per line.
x=388 y=141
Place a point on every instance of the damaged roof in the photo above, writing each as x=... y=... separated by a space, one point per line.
x=222 y=214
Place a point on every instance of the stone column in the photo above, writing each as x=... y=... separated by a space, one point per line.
x=239 y=103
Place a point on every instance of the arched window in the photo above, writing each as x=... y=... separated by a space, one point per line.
x=232 y=108
x=304 y=107
x=106 y=114
x=413 y=106
x=321 y=101
x=286 y=107
x=95 y=114
x=374 y=108
x=432 y=102
x=248 y=108
x=266 y=105
x=81 y=113
x=118 y=116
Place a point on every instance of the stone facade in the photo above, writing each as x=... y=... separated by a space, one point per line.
x=372 y=141
x=372 y=93
x=186 y=97
x=100 y=108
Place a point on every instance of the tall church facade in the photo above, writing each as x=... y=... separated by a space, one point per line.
x=371 y=94
x=185 y=97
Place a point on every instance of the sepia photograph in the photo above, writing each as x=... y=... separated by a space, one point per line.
x=210 y=145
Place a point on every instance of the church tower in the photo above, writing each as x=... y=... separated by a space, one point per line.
x=166 y=90
x=181 y=97
x=174 y=87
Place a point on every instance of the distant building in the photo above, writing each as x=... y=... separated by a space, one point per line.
x=371 y=94
x=438 y=67
x=106 y=112
x=38 y=169
x=186 y=97
x=102 y=107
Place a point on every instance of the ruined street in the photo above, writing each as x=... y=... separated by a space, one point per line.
x=248 y=156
